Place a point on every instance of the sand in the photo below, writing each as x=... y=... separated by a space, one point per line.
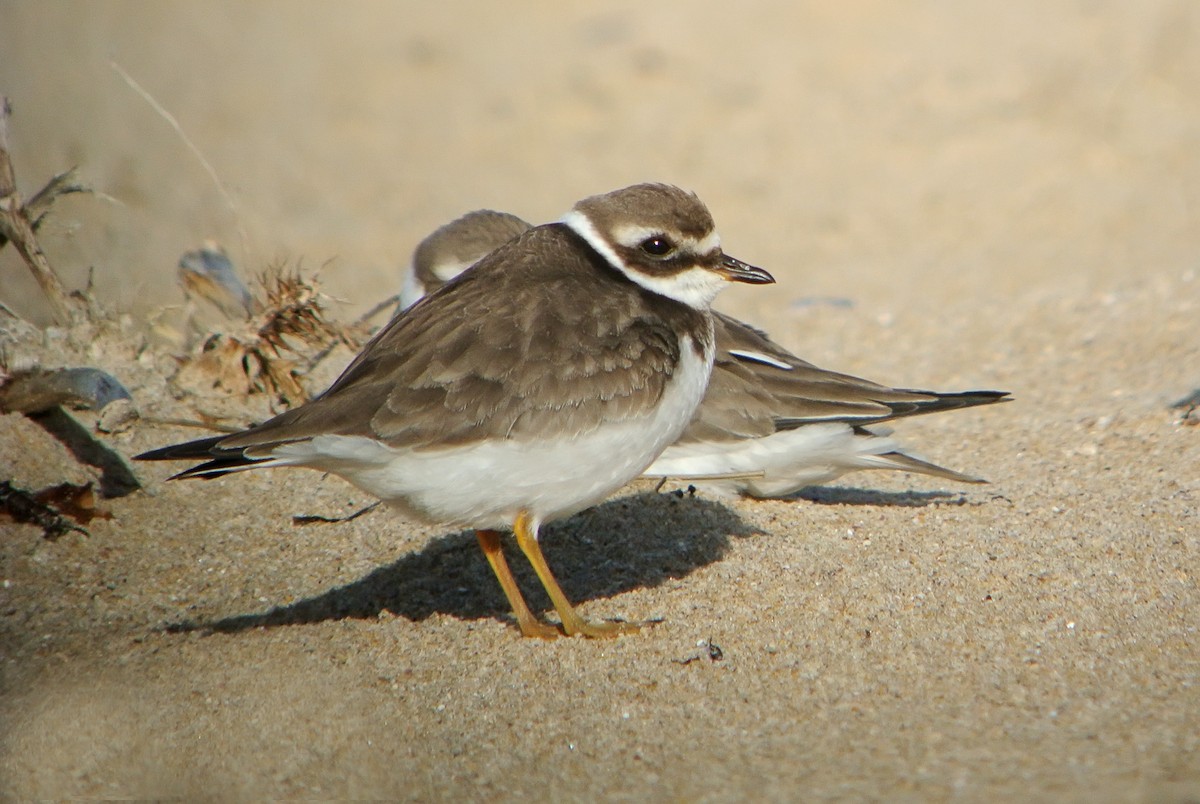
x=952 y=195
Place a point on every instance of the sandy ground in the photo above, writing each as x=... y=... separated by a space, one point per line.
x=952 y=195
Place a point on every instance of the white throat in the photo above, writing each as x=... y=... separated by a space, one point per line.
x=696 y=287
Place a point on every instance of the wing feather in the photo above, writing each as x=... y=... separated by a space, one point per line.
x=750 y=398
x=529 y=344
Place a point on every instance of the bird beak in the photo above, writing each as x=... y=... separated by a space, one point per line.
x=737 y=271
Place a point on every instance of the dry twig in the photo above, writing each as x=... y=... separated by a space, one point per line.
x=15 y=225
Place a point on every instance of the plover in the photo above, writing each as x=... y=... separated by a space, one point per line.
x=770 y=423
x=454 y=248
x=526 y=389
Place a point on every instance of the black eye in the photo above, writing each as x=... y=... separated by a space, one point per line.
x=657 y=246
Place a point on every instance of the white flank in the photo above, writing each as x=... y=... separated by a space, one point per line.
x=789 y=460
x=695 y=287
x=486 y=484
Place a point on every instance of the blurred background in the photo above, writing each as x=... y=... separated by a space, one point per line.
x=952 y=194
x=869 y=150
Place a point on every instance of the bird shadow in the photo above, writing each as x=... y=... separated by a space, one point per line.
x=845 y=495
x=626 y=543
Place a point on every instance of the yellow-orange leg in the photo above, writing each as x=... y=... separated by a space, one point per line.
x=531 y=626
x=526 y=531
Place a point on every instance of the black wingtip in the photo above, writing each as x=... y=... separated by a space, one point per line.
x=217 y=461
x=217 y=467
x=985 y=397
x=950 y=401
x=200 y=448
x=899 y=409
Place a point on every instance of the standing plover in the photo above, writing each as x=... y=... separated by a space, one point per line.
x=770 y=423
x=526 y=389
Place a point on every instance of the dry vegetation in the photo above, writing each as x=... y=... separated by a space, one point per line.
x=235 y=354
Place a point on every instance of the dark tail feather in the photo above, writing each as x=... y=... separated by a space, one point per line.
x=218 y=461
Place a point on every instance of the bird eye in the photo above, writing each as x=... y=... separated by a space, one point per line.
x=657 y=246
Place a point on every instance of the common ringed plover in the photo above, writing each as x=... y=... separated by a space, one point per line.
x=526 y=389
x=770 y=423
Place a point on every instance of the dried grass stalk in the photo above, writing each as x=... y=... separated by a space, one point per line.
x=268 y=354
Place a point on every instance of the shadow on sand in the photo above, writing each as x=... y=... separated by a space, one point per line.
x=842 y=495
x=623 y=544
x=626 y=543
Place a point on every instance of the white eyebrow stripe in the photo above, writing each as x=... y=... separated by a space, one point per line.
x=709 y=243
x=632 y=235
x=759 y=357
